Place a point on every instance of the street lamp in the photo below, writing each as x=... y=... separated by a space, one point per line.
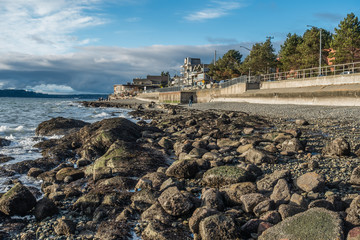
x=320 y=29
x=249 y=59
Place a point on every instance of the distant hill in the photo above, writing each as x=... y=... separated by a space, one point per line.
x=30 y=94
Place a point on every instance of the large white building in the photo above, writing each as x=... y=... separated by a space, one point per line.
x=194 y=72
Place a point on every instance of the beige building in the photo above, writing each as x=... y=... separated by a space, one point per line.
x=194 y=72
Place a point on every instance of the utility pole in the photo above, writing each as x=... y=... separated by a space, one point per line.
x=215 y=58
x=320 y=54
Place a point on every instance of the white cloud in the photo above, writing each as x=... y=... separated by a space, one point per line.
x=43 y=26
x=51 y=88
x=216 y=9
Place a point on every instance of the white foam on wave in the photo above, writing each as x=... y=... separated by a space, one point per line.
x=101 y=115
x=21 y=128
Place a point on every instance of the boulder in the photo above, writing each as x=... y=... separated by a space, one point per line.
x=354 y=234
x=112 y=230
x=258 y=157
x=268 y=182
x=166 y=143
x=175 y=202
x=156 y=213
x=338 y=147
x=310 y=181
x=288 y=210
x=182 y=169
x=233 y=192
x=75 y=174
x=212 y=198
x=314 y=224
x=160 y=231
x=355 y=176
x=198 y=215
x=301 y=122
x=352 y=211
x=226 y=175
x=34 y=172
x=59 y=126
x=250 y=200
x=273 y=217
x=292 y=145
x=155 y=180
x=182 y=147
x=45 y=208
x=17 y=201
x=243 y=148
x=87 y=203
x=263 y=207
x=227 y=142
x=143 y=199
x=219 y=226
x=281 y=193
x=65 y=227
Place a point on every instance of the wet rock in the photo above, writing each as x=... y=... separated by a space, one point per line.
x=112 y=230
x=160 y=231
x=34 y=172
x=59 y=126
x=4 y=158
x=198 y=215
x=226 y=175
x=212 y=198
x=233 y=192
x=310 y=181
x=17 y=201
x=219 y=226
x=75 y=174
x=175 y=202
x=141 y=200
x=155 y=179
x=65 y=227
x=250 y=200
x=4 y=142
x=338 y=147
x=45 y=208
x=183 y=169
x=156 y=213
x=87 y=203
x=166 y=143
x=315 y=223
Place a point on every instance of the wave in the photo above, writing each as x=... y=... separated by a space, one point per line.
x=20 y=128
x=101 y=115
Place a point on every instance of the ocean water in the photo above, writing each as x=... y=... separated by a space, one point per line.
x=19 y=118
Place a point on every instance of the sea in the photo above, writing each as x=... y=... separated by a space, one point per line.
x=19 y=118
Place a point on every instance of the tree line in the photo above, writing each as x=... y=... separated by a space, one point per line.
x=297 y=52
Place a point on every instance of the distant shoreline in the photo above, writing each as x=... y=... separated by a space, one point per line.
x=9 y=93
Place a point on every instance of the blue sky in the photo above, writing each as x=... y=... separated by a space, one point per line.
x=90 y=45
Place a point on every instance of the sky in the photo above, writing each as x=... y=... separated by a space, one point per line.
x=87 y=46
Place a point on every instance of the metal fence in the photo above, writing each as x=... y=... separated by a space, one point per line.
x=331 y=70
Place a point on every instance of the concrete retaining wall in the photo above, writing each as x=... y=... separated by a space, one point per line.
x=309 y=82
x=150 y=97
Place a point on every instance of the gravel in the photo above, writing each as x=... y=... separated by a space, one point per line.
x=285 y=111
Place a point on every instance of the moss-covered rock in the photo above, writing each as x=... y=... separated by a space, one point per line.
x=17 y=201
x=225 y=175
x=314 y=224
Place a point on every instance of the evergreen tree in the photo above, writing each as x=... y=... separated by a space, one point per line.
x=226 y=67
x=289 y=54
x=310 y=47
x=346 y=42
x=261 y=59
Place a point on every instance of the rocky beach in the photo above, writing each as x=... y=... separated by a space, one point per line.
x=210 y=171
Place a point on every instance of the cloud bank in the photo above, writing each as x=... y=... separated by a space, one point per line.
x=96 y=69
